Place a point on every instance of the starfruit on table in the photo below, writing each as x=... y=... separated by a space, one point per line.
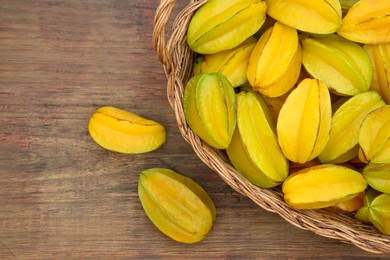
x=178 y=206
x=322 y=186
x=221 y=25
x=209 y=104
x=122 y=131
x=254 y=149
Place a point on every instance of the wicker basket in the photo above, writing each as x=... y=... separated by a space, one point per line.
x=177 y=60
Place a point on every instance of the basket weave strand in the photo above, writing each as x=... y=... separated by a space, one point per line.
x=177 y=59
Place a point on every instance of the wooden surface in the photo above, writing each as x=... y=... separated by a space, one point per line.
x=64 y=197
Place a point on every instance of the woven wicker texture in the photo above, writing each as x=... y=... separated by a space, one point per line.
x=173 y=52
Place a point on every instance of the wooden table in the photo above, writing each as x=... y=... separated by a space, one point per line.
x=64 y=197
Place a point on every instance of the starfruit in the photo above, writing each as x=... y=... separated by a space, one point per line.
x=275 y=62
x=231 y=63
x=322 y=186
x=380 y=60
x=363 y=213
x=342 y=65
x=254 y=150
x=221 y=25
x=209 y=104
x=351 y=205
x=367 y=21
x=379 y=213
x=378 y=176
x=374 y=136
x=318 y=17
x=304 y=121
x=125 y=132
x=343 y=141
x=178 y=206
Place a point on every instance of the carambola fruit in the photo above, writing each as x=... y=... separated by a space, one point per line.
x=351 y=205
x=379 y=213
x=221 y=25
x=342 y=65
x=318 y=17
x=376 y=210
x=378 y=176
x=322 y=186
x=275 y=62
x=179 y=207
x=380 y=60
x=209 y=104
x=343 y=141
x=304 y=121
x=363 y=213
x=367 y=21
x=231 y=63
x=125 y=132
x=374 y=136
x=254 y=150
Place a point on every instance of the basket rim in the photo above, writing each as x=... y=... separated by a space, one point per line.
x=176 y=57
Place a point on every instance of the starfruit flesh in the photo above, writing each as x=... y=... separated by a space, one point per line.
x=231 y=63
x=374 y=136
x=209 y=104
x=255 y=146
x=122 y=131
x=368 y=21
x=221 y=25
x=380 y=60
x=343 y=141
x=342 y=65
x=318 y=17
x=179 y=207
x=304 y=121
x=378 y=176
x=322 y=186
x=275 y=62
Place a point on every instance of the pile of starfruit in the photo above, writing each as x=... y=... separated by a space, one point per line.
x=298 y=95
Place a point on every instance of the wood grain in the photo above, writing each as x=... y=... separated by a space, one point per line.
x=64 y=197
